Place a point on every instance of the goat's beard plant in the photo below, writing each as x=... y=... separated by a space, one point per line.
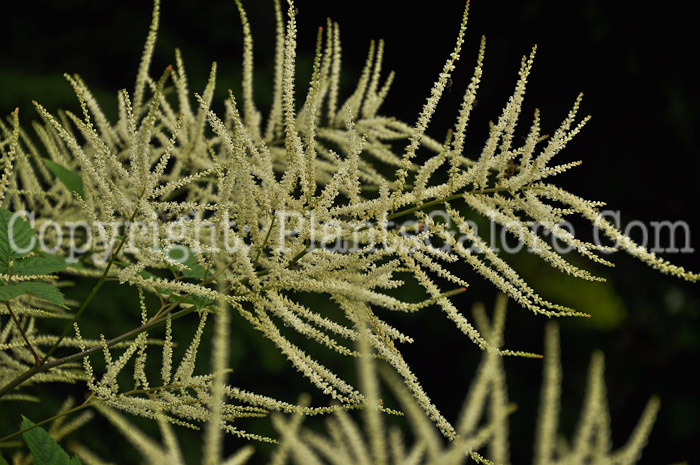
x=215 y=217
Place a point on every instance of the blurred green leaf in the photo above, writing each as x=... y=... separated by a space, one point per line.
x=44 y=448
x=72 y=181
x=600 y=300
x=185 y=256
x=16 y=238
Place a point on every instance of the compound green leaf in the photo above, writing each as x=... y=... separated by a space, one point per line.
x=44 y=291
x=36 y=288
x=45 y=264
x=10 y=292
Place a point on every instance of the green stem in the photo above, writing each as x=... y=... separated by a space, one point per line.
x=449 y=198
x=43 y=422
x=77 y=356
x=401 y=213
x=294 y=259
x=86 y=404
x=87 y=301
x=37 y=360
x=267 y=236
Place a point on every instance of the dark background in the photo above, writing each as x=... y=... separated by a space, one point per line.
x=640 y=152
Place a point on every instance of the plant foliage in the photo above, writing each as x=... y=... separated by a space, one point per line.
x=223 y=216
